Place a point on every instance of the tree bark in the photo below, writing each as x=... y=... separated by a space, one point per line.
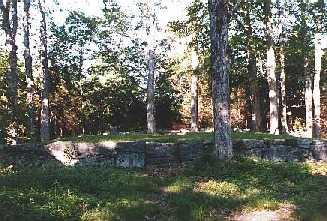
x=220 y=78
x=263 y=123
x=194 y=103
x=283 y=105
x=271 y=66
x=150 y=110
x=255 y=108
x=308 y=98
x=45 y=128
x=254 y=101
x=282 y=79
x=151 y=31
x=10 y=26
x=316 y=86
x=28 y=70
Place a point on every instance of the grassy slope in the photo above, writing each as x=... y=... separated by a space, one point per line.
x=189 y=137
x=204 y=191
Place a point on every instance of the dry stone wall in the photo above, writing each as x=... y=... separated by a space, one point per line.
x=152 y=154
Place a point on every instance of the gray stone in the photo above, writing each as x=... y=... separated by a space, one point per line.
x=153 y=154
x=319 y=148
x=249 y=144
x=303 y=143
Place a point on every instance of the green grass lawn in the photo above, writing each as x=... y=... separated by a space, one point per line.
x=189 y=137
x=206 y=190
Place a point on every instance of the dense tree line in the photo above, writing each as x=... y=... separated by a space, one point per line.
x=257 y=64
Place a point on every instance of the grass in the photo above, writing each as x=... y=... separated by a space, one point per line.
x=34 y=187
x=189 y=137
x=206 y=190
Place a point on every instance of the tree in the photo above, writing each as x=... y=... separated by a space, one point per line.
x=305 y=37
x=10 y=25
x=271 y=74
x=194 y=94
x=151 y=28
x=71 y=45
x=282 y=97
x=194 y=30
x=218 y=10
x=320 y=20
x=148 y=35
x=3 y=102
x=167 y=102
x=45 y=127
x=316 y=88
x=28 y=69
x=150 y=108
x=255 y=104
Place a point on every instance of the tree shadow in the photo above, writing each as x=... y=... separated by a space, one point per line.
x=269 y=185
x=205 y=190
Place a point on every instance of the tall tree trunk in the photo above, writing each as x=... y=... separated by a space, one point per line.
x=150 y=110
x=80 y=72
x=28 y=69
x=45 y=128
x=282 y=79
x=151 y=30
x=307 y=74
x=271 y=74
x=316 y=87
x=308 y=97
x=194 y=103
x=283 y=105
x=261 y=92
x=255 y=108
x=10 y=26
x=254 y=101
x=194 y=92
x=220 y=78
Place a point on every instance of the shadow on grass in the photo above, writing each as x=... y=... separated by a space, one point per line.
x=171 y=138
x=204 y=191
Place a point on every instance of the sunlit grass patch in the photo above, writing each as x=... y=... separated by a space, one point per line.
x=263 y=203
x=98 y=214
x=317 y=168
x=179 y=185
x=219 y=188
x=6 y=169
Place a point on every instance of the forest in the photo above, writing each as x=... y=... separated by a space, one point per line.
x=126 y=71
x=158 y=71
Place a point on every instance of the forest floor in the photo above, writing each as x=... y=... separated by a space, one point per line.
x=172 y=137
x=240 y=189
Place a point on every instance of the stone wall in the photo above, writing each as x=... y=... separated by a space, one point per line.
x=120 y=154
x=151 y=154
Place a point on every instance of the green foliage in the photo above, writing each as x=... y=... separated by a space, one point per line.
x=113 y=104
x=3 y=100
x=21 y=100
x=72 y=45
x=87 y=53
x=200 y=192
x=167 y=103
